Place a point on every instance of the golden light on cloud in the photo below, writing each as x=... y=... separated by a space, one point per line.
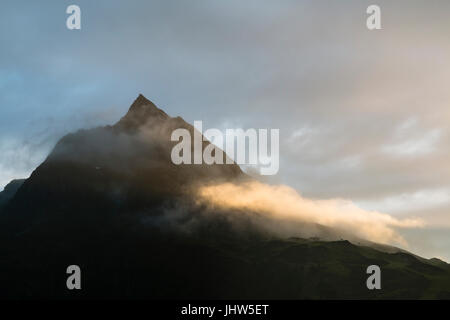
x=282 y=204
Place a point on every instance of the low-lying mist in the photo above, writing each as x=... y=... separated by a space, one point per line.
x=284 y=212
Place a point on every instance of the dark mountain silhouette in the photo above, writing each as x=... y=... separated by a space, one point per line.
x=10 y=190
x=122 y=168
x=110 y=200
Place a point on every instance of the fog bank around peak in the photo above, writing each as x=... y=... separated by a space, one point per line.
x=285 y=208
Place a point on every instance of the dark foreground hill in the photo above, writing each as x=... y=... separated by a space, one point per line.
x=9 y=191
x=110 y=201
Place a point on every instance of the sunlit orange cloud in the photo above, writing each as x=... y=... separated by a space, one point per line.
x=283 y=204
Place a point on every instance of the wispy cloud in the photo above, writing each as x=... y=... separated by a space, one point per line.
x=283 y=204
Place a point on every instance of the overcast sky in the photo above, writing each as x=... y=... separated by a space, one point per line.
x=363 y=115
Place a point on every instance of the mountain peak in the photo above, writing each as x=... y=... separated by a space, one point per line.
x=142 y=104
x=141 y=101
x=141 y=111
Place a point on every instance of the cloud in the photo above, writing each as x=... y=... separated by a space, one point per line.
x=282 y=204
x=19 y=157
x=419 y=146
x=421 y=200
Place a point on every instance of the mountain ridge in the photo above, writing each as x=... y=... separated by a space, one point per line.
x=110 y=200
